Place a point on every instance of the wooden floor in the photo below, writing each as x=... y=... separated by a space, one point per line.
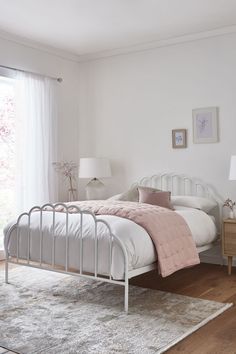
x=205 y=281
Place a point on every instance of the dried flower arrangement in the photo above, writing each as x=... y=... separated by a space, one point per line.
x=67 y=170
x=229 y=204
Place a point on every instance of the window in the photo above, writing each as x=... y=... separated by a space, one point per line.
x=7 y=153
x=28 y=143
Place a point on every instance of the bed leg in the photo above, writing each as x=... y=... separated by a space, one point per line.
x=126 y=295
x=6 y=272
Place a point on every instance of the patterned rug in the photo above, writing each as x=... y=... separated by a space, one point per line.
x=50 y=313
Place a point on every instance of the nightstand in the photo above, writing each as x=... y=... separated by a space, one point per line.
x=229 y=241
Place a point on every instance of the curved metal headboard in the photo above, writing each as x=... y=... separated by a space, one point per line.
x=185 y=185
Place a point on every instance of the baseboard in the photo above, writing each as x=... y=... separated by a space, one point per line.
x=222 y=261
x=214 y=256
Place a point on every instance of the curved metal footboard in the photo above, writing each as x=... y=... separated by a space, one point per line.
x=53 y=267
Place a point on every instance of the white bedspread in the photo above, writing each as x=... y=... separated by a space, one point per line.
x=139 y=246
x=202 y=225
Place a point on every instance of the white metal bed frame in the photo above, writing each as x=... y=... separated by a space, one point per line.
x=177 y=184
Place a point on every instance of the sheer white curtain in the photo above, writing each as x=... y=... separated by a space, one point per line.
x=37 y=116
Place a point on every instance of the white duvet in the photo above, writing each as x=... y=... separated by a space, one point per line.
x=140 y=249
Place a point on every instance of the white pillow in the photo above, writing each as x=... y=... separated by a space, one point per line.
x=115 y=197
x=188 y=201
x=132 y=195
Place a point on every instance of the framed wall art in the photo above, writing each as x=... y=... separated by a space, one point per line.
x=179 y=138
x=205 y=125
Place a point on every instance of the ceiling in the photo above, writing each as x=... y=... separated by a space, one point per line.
x=85 y=27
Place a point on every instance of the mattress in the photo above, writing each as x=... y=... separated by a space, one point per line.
x=140 y=249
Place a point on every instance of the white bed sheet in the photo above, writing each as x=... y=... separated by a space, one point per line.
x=140 y=249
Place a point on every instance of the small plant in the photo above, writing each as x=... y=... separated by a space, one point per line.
x=67 y=170
x=229 y=204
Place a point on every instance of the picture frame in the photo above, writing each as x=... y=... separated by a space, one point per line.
x=179 y=138
x=205 y=125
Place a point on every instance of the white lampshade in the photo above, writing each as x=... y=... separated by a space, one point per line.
x=91 y=167
x=232 y=171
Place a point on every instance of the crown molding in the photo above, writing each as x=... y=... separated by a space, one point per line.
x=63 y=54
x=159 y=43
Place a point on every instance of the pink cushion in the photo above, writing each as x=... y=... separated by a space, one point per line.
x=154 y=197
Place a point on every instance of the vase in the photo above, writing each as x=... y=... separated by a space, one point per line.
x=72 y=195
x=231 y=214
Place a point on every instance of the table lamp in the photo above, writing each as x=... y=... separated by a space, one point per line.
x=94 y=168
x=232 y=171
x=232 y=177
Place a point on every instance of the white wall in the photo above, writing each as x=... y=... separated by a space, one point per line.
x=130 y=103
x=125 y=107
x=26 y=58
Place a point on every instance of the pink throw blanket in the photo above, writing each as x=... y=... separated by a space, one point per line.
x=170 y=233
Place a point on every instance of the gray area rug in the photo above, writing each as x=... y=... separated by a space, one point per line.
x=45 y=312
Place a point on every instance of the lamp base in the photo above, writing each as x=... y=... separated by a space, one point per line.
x=95 y=190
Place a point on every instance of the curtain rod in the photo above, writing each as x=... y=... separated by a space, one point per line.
x=58 y=79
